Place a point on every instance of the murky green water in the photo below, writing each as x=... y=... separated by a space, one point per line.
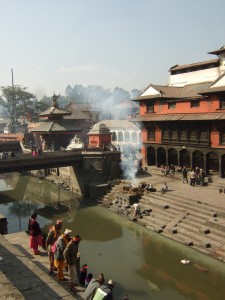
x=143 y=264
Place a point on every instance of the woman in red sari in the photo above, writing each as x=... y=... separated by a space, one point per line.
x=35 y=233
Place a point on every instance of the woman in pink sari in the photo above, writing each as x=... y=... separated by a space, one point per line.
x=35 y=233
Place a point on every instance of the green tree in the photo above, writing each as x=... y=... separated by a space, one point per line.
x=15 y=99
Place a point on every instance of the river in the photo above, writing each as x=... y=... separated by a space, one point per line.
x=143 y=264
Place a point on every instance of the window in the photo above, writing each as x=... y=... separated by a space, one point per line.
x=150 y=108
x=195 y=103
x=222 y=103
x=222 y=136
x=151 y=134
x=171 y=105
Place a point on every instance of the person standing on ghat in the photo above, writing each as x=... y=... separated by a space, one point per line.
x=71 y=257
x=59 y=261
x=53 y=235
x=35 y=234
x=184 y=174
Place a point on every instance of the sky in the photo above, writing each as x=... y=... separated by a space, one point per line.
x=50 y=44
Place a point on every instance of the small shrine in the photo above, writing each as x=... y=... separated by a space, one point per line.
x=55 y=132
x=99 y=136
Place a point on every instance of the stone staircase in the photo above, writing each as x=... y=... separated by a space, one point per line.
x=195 y=223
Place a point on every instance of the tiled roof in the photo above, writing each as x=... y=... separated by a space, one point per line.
x=219 y=51
x=55 y=111
x=194 y=65
x=172 y=92
x=119 y=124
x=180 y=117
x=52 y=126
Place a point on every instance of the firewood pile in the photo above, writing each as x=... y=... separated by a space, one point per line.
x=130 y=188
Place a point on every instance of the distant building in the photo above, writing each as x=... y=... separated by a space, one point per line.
x=183 y=123
x=124 y=134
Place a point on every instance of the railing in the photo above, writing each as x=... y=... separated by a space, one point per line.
x=26 y=162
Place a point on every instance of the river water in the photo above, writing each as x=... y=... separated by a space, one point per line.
x=143 y=264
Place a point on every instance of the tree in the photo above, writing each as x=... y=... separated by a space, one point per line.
x=15 y=99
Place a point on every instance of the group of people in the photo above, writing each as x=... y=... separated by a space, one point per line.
x=62 y=249
x=63 y=253
x=168 y=170
x=195 y=176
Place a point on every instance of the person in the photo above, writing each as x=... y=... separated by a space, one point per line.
x=172 y=170
x=35 y=234
x=34 y=152
x=70 y=255
x=192 y=177
x=184 y=175
x=125 y=297
x=40 y=151
x=136 y=209
x=105 y=291
x=88 y=279
x=92 y=287
x=13 y=154
x=149 y=187
x=202 y=176
x=59 y=261
x=83 y=274
x=53 y=235
x=164 y=188
x=179 y=169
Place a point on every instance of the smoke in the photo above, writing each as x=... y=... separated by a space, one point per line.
x=130 y=163
x=129 y=169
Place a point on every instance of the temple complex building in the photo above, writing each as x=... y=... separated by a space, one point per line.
x=54 y=132
x=183 y=123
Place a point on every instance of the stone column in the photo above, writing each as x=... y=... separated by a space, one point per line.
x=220 y=167
x=191 y=160
x=205 y=163
x=167 y=160
x=178 y=157
x=156 y=158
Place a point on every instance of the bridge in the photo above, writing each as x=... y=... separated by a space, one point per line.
x=27 y=162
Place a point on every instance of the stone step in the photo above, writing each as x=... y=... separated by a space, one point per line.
x=185 y=205
x=220 y=233
x=197 y=203
x=175 y=206
x=150 y=222
x=183 y=223
x=177 y=219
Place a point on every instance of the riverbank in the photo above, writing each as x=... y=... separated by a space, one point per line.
x=193 y=216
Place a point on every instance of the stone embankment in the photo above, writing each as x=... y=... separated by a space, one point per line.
x=25 y=276
x=193 y=216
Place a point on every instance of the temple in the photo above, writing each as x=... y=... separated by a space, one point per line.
x=183 y=123
x=55 y=132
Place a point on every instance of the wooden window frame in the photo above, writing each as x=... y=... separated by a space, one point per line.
x=195 y=103
x=151 y=133
x=172 y=105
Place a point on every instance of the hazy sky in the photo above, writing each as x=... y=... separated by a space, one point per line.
x=126 y=43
